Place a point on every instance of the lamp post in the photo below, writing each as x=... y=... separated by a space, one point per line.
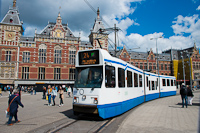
x=156 y=53
x=188 y=55
x=178 y=80
x=183 y=67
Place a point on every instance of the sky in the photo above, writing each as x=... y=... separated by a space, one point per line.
x=176 y=21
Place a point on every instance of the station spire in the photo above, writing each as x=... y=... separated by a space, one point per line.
x=14 y=3
x=98 y=12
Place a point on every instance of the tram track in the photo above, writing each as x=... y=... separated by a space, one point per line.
x=95 y=126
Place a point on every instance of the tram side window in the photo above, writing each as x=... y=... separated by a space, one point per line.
x=121 y=77
x=172 y=82
x=168 y=84
x=156 y=83
x=153 y=85
x=110 y=76
x=129 y=79
x=163 y=81
x=149 y=85
x=140 y=80
x=135 y=80
x=147 y=81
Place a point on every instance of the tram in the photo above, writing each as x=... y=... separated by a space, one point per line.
x=108 y=86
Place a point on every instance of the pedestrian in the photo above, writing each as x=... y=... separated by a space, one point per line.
x=11 y=91
x=20 y=91
x=69 y=91
x=14 y=101
x=66 y=89
x=61 y=96
x=44 y=89
x=5 y=89
x=54 y=94
x=0 y=91
x=190 y=95
x=35 y=88
x=49 y=95
x=56 y=88
x=31 y=90
x=183 y=92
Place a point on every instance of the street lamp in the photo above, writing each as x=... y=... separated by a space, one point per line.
x=183 y=67
x=188 y=55
x=156 y=53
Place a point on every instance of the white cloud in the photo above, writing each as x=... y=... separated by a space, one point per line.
x=198 y=8
x=78 y=15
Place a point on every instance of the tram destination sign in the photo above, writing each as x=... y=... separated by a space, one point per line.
x=89 y=57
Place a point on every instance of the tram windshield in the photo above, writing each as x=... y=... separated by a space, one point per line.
x=89 y=77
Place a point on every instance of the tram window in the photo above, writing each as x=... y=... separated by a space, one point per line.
x=172 y=82
x=129 y=79
x=110 y=76
x=135 y=80
x=156 y=83
x=153 y=85
x=149 y=85
x=163 y=81
x=140 y=80
x=121 y=77
x=168 y=84
x=147 y=81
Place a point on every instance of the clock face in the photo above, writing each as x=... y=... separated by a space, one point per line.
x=9 y=36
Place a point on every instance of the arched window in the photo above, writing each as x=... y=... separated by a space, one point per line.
x=72 y=55
x=57 y=54
x=42 y=53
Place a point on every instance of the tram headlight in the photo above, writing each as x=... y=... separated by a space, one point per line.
x=75 y=100
x=84 y=97
x=95 y=101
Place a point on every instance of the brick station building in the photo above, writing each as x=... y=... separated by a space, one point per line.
x=48 y=57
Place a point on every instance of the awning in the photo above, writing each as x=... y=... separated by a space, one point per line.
x=4 y=81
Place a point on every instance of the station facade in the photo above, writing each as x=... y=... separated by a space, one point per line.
x=49 y=57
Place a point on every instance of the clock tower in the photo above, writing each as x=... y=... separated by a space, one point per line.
x=10 y=32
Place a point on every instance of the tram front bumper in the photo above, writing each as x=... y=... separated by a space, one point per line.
x=89 y=109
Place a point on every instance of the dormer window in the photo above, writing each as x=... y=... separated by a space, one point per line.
x=11 y=20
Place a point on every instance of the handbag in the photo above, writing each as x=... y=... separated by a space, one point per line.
x=47 y=98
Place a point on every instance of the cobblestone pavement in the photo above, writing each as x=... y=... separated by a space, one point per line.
x=35 y=113
x=164 y=115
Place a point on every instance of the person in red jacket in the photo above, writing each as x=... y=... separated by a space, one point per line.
x=14 y=106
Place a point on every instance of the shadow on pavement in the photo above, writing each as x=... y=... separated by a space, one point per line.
x=88 y=117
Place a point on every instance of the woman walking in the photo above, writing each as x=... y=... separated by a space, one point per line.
x=49 y=95
x=54 y=94
x=69 y=91
x=190 y=95
x=61 y=96
x=14 y=101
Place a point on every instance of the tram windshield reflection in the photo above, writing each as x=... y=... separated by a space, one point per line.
x=89 y=77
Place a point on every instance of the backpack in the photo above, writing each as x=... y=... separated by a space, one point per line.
x=183 y=90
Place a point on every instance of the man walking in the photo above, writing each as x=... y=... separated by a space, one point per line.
x=183 y=92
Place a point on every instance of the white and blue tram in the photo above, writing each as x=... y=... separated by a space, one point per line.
x=109 y=86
